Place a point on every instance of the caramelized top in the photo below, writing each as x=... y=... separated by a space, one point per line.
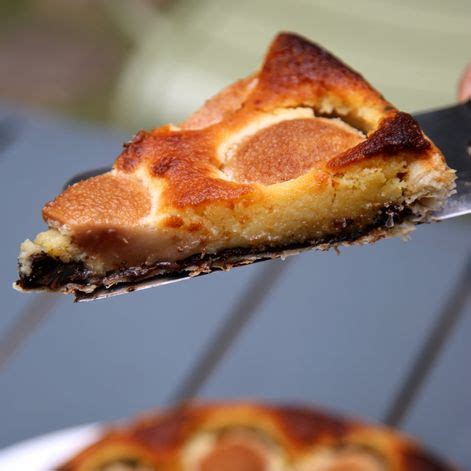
x=183 y=161
x=296 y=73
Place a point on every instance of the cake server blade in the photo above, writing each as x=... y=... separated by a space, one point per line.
x=450 y=129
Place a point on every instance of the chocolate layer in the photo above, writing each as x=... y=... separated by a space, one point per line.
x=51 y=273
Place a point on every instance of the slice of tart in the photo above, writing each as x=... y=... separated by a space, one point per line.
x=302 y=154
x=252 y=437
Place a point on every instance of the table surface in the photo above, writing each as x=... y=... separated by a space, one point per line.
x=339 y=331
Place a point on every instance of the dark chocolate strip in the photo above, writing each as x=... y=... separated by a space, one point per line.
x=52 y=273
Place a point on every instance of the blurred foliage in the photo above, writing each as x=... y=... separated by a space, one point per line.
x=140 y=63
x=10 y=10
x=412 y=51
x=64 y=55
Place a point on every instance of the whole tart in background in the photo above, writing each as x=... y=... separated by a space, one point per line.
x=252 y=437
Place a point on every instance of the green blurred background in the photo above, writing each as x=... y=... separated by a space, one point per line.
x=140 y=63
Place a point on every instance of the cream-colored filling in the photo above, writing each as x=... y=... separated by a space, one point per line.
x=27 y=250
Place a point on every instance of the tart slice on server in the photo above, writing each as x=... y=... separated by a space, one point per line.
x=302 y=154
x=252 y=437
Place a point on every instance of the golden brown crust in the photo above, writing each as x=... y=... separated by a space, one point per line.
x=299 y=434
x=184 y=160
x=296 y=73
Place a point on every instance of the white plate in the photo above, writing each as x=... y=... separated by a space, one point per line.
x=46 y=452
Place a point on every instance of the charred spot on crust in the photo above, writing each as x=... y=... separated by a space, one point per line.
x=162 y=166
x=400 y=132
x=132 y=152
x=173 y=221
x=293 y=59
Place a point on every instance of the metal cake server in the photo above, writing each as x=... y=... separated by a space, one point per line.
x=450 y=130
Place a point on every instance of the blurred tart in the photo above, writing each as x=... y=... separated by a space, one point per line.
x=302 y=154
x=252 y=437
